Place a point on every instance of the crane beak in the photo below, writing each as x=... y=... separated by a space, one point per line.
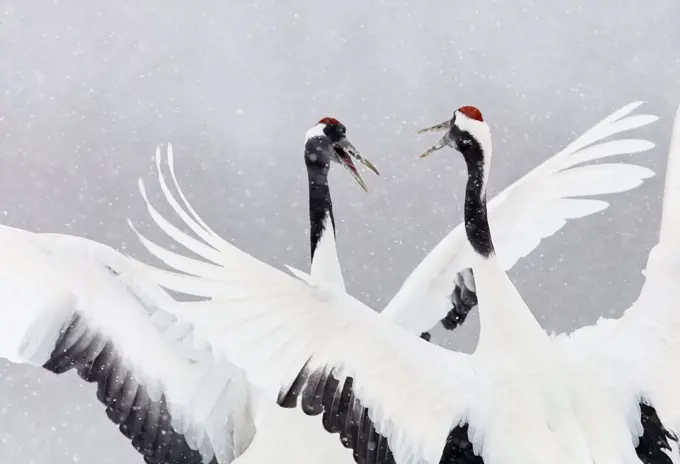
x=346 y=151
x=444 y=141
x=446 y=125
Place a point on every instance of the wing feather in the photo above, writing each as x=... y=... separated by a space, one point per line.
x=535 y=207
x=67 y=309
x=639 y=353
x=309 y=339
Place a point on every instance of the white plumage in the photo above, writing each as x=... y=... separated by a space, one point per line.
x=517 y=397
x=72 y=303
x=533 y=208
x=83 y=305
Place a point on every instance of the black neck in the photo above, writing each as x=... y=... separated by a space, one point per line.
x=319 y=204
x=476 y=220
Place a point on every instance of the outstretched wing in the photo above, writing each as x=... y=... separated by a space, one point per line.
x=69 y=303
x=638 y=355
x=538 y=205
x=391 y=396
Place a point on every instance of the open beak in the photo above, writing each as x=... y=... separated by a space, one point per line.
x=346 y=151
x=444 y=141
x=446 y=125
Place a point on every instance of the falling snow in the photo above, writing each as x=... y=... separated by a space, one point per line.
x=89 y=89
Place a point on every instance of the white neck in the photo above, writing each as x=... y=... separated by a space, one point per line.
x=506 y=323
x=325 y=262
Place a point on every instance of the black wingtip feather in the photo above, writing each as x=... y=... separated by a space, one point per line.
x=655 y=440
x=145 y=423
x=344 y=414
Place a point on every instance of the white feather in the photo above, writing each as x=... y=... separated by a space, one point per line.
x=45 y=279
x=637 y=356
x=533 y=208
x=272 y=325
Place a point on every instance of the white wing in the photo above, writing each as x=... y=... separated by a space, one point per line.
x=299 y=338
x=535 y=207
x=69 y=303
x=632 y=362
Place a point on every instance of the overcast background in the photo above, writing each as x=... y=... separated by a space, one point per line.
x=89 y=88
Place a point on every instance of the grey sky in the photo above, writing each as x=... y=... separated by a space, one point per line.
x=88 y=89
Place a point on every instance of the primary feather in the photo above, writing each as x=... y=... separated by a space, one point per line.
x=533 y=208
x=70 y=303
x=190 y=382
x=391 y=396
